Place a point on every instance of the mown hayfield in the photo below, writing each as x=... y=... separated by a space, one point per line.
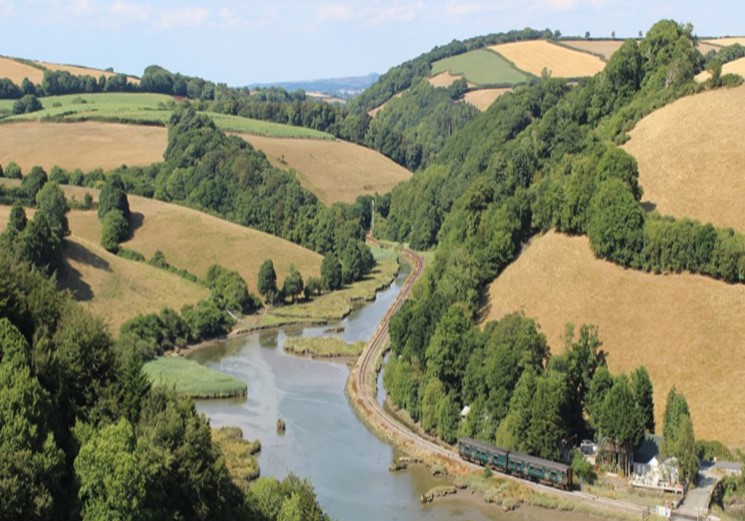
x=79 y=70
x=686 y=329
x=333 y=170
x=691 y=157
x=733 y=67
x=481 y=67
x=194 y=241
x=605 y=48
x=84 y=145
x=114 y=288
x=725 y=42
x=444 y=79
x=537 y=55
x=483 y=98
x=148 y=109
x=188 y=378
x=16 y=71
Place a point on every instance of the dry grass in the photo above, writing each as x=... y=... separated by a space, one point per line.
x=704 y=47
x=374 y=112
x=534 y=56
x=725 y=42
x=115 y=288
x=16 y=71
x=86 y=145
x=686 y=329
x=691 y=157
x=444 y=79
x=333 y=170
x=482 y=99
x=78 y=70
x=733 y=67
x=606 y=48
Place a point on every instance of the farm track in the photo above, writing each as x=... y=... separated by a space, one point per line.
x=361 y=391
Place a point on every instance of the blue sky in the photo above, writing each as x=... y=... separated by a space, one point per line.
x=246 y=41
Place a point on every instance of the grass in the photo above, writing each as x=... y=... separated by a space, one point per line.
x=86 y=145
x=188 y=378
x=536 y=55
x=322 y=347
x=690 y=157
x=333 y=170
x=481 y=67
x=147 y=109
x=238 y=454
x=686 y=329
x=483 y=98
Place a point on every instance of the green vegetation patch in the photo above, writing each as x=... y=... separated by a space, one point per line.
x=238 y=454
x=188 y=378
x=146 y=109
x=322 y=346
x=482 y=67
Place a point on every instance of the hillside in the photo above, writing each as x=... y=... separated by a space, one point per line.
x=536 y=55
x=483 y=98
x=34 y=70
x=733 y=67
x=85 y=145
x=690 y=157
x=115 y=288
x=685 y=329
x=481 y=67
x=333 y=170
x=604 y=48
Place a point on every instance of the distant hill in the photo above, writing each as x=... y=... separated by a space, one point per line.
x=343 y=88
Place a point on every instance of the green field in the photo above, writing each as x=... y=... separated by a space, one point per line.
x=482 y=67
x=150 y=109
x=188 y=378
x=322 y=346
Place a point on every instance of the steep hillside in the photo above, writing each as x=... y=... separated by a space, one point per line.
x=690 y=157
x=333 y=170
x=561 y=62
x=483 y=98
x=85 y=145
x=685 y=329
x=115 y=288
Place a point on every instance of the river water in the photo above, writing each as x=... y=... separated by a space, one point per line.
x=324 y=440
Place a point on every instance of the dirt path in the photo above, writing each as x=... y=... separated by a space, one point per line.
x=361 y=390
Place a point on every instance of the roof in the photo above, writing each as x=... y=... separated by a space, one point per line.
x=649 y=448
x=481 y=445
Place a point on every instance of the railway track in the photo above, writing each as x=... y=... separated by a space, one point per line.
x=361 y=390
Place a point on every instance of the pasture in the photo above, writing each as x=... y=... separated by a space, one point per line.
x=536 y=55
x=85 y=145
x=188 y=378
x=16 y=71
x=114 y=288
x=481 y=67
x=604 y=48
x=686 y=329
x=483 y=98
x=146 y=109
x=690 y=157
x=333 y=170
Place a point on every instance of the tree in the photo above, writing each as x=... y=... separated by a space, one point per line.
x=112 y=481
x=601 y=383
x=51 y=202
x=587 y=35
x=228 y=290
x=293 y=284
x=34 y=181
x=351 y=263
x=433 y=394
x=13 y=171
x=448 y=352
x=643 y=393
x=547 y=428
x=448 y=416
x=331 y=274
x=620 y=421
x=113 y=196
x=313 y=286
x=684 y=449
x=676 y=407
x=28 y=103
x=267 y=283
x=615 y=223
x=114 y=230
x=17 y=220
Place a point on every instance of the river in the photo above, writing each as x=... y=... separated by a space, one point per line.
x=324 y=440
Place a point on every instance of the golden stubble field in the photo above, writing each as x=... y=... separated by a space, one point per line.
x=691 y=157
x=606 y=48
x=115 y=288
x=483 y=98
x=16 y=71
x=733 y=67
x=333 y=170
x=85 y=71
x=533 y=56
x=86 y=145
x=686 y=329
x=444 y=79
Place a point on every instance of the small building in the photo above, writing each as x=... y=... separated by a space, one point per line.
x=650 y=470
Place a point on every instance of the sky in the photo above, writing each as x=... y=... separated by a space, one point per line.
x=240 y=42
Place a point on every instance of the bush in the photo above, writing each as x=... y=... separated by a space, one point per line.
x=13 y=171
x=115 y=230
x=27 y=104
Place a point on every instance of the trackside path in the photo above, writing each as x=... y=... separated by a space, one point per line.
x=361 y=390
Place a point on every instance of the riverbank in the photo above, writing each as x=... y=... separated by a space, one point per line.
x=323 y=347
x=191 y=379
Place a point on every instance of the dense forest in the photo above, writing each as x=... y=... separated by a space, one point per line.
x=542 y=157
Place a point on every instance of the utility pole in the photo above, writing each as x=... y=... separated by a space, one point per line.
x=372 y=216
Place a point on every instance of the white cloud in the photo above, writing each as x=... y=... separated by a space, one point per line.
x=126 y=11
x=466 y=8
x=82 y=7
x=402 y=12
x=182 y=17
x=6 y=9
x=232 y=19
x=373 y=14
x=334 y=13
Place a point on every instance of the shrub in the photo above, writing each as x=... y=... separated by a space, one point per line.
x=28 y=103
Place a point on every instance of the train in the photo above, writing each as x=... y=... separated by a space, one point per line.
x=516 y=463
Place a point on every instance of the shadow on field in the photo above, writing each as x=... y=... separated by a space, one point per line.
x=136 y=220
x=648 y=206
x=72 y=279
